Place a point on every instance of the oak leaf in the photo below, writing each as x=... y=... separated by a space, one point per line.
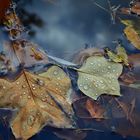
x=40 y=99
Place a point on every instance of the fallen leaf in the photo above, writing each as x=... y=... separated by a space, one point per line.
x=121 y=52
x=40 y=101
x=132 y=36
x=3 y=7
x=80 y=56
x=128 y=78
x=67 y=134
x=96 y=110
x=21 y=52
x=131 y=33
x=120 y=56
x=133 y=10
x=113 y=56
x=98 y=76
x=128 y=109
x=37 y=56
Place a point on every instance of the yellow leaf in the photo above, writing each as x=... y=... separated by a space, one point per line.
x=121 y=52
x=113 y=57
x=98 y=76
x=132 y=36
x=40 y=99
x=131 y=33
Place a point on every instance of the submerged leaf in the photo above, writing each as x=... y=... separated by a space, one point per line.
x=24 y=52
x=61 y=61
x=40 y=101
x=98 y=76
x=96 y=110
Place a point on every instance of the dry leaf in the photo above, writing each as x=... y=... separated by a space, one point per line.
x=40 y=101
x=98 y=76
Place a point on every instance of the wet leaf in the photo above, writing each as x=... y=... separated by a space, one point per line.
x=113 y=56
x=134 y=9
x=121 y=52
x=40 y=101
x=128 y=78
x=98 y=76
x=70 y=134
x=119 y=57
x=21 y=52
x=3 y=7
x=96 y=110
x=86 y=108
x=128 y=109
x=80 y=56
x=131 y=33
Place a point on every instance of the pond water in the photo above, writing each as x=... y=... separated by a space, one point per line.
x=62 y=28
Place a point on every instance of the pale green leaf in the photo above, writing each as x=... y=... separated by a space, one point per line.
x=99 y=76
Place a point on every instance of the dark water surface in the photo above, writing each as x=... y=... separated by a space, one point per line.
x=62 y=27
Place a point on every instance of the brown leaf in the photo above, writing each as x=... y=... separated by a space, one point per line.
x=132 y=36
x=22 y=52
x=96 y=110
x=3 y=7
x=128 y=78
x=83 y=54
x=128 y=109
x=40 y=101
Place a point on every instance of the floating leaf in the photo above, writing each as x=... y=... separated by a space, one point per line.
x=121 y=52
x=80 y=56
x=128 y=78
x=128 y=109
x=96 y=110
x=112 y=56
x=61 y=61
x=3 y=7
x=98 y=76
x=119 y=57
x=131 y=33
x=22 y=52
x=133 y=10
x=69 y=134
x=132 y=36
x=40 y=101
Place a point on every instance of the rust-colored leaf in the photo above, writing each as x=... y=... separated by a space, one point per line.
x=4 y=5
x=128 y=109
x=96 y=110
x=128 y=78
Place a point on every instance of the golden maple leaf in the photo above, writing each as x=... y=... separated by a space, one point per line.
x=40 y=99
